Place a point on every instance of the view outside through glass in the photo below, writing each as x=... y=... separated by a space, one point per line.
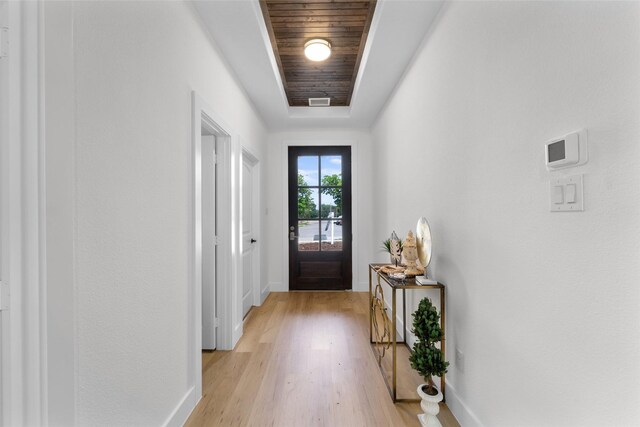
x=320 y=203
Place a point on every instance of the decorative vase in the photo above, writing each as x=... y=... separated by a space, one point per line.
x=394 y=249
x=430 y=407
x=410 y=254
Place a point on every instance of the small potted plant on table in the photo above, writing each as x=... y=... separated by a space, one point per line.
x=428 y=360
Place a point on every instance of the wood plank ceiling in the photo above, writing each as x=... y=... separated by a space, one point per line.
x=344 y=23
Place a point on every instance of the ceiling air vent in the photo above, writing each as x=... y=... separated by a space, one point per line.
x=319 y=102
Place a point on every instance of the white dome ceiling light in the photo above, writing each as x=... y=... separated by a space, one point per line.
x=317 y=49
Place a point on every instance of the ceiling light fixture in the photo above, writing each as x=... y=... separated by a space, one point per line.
x=317 y=49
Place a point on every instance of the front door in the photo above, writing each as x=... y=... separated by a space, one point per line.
x=319 y=218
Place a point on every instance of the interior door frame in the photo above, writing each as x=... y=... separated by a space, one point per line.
x=209 y=205
x=227 y=310
x=23 y=190
x=255 y=222
x=284 y=156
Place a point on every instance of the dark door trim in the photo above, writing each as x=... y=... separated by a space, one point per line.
x=318 y=260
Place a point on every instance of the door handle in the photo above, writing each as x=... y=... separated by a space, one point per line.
x=292 y=236
x=253 y=240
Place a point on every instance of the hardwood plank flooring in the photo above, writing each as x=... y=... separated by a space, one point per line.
x=304 y=360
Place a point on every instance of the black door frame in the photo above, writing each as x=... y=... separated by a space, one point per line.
x=347 y=220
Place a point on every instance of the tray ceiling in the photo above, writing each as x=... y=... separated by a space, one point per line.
x=238 y=30
x=345 y=24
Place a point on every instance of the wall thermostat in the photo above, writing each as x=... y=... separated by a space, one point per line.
x=569 y=150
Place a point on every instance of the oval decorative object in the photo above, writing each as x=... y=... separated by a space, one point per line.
x=423 y=240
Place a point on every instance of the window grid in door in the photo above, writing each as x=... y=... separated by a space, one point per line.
x=320 y=202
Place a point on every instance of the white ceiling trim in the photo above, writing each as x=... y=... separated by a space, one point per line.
x=373 y=28
x=264 y=32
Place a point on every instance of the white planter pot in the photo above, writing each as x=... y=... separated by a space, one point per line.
x=430 y=407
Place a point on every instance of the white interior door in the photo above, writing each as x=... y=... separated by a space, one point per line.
x=248 y=239
x=209 y=324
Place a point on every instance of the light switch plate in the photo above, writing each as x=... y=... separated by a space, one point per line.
x=564 y=182
x=558 y=194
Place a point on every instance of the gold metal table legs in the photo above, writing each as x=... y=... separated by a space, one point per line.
x=383 y=331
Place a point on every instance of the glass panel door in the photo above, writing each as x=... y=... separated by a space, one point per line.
x=320 y=217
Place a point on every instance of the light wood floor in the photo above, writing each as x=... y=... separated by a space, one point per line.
x=304 y=360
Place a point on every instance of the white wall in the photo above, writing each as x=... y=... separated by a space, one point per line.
x=60 y=218
x=543 y=305
x=276 y=199
x=126 y=71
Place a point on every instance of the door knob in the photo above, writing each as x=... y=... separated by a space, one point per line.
x=292 y=236
x=253 y=240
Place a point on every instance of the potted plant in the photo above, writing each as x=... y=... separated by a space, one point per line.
x=427 y=359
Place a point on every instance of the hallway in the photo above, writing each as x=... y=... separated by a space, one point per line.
x=126 y=248
x=302 y=361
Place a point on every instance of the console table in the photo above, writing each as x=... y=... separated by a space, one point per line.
x=388 y=337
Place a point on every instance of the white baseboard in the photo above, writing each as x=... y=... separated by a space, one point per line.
x=277 y=287
x=265 y=293
x=247 y=300
x=237 y=334
x=361 y=287
x=180 y=414
x=460 y=410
